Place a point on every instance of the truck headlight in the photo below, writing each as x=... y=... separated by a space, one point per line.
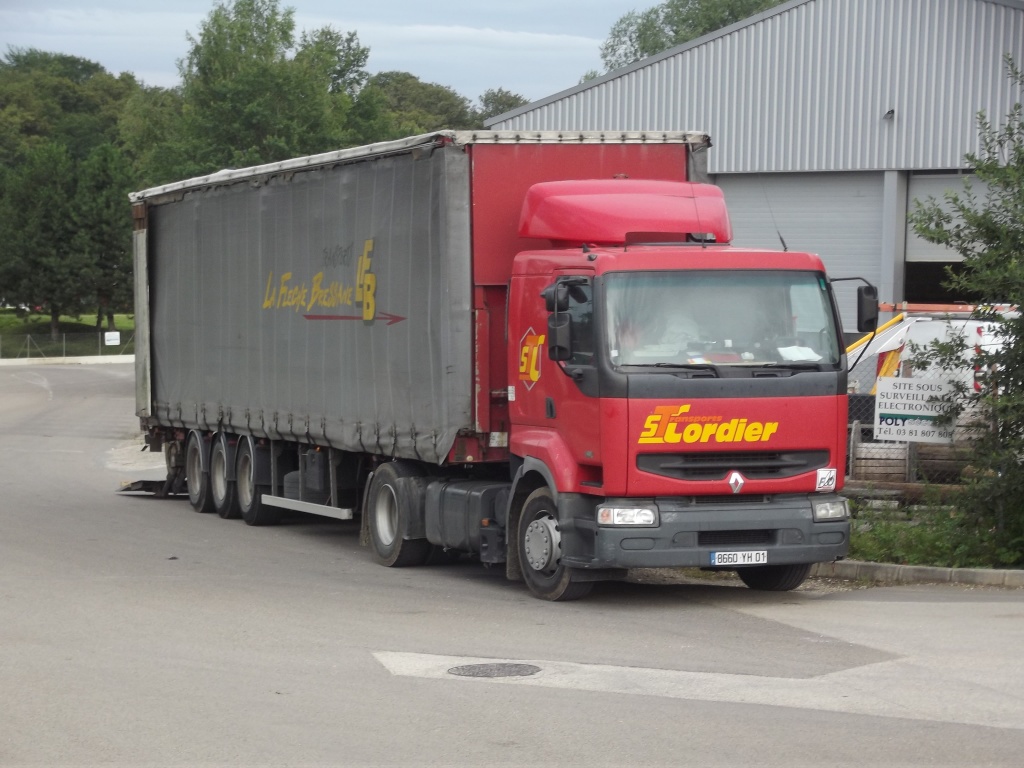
x=627 y=516
x=836 y=509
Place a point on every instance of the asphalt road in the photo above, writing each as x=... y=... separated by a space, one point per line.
x=134 y=631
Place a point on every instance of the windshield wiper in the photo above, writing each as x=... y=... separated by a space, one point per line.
x=677 y=366
x=791 y=365
x=688 y=366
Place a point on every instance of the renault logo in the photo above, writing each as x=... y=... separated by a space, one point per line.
x=736 y=482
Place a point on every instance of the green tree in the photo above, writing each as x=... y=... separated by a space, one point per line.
x=635 y=36
x=341 y=56
x=55 y=111
x=54 y=97
x=987 y=229
x=149 y=133
x=251 y=94
x=498 y=101
x=370 y=119
x=39 y=265
x=413 y=107
x=102 y=218
x=639 y=34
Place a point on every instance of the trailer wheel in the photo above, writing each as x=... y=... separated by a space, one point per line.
x=198 y=482
x=540 y=551
x=394 y=496
x=224 y=491
x=250 y=495
x=774 y=578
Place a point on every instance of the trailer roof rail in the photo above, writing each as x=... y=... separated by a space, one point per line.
x=698 y=139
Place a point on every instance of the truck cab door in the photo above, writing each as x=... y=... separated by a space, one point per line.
x=557 y=388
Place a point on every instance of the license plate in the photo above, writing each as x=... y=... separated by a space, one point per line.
x=759 y=557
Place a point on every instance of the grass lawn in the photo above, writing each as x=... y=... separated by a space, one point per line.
x=28 y=335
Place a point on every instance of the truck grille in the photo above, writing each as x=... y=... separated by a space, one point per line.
x=746 y=499
x=755 y=465
x=734 y=538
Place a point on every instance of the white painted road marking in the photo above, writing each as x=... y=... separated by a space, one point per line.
x=36 y=380
x=867 y=690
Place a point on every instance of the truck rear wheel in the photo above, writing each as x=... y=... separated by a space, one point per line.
x=774 y=578
x=198 y=482
x=394 y=497
x=250 y=495
x=540 y=551
x=223 y=490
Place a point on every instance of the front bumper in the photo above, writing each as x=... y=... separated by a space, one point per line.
x=691 y=529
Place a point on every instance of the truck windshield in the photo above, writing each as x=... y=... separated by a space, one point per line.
x=715 y=318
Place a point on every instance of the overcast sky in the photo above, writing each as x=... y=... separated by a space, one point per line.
x=531 y=47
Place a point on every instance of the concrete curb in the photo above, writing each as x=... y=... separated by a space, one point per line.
x=887 y=573
x=89 y=360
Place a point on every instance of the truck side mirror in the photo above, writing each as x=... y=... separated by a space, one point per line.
x=556 y=297
x=867 y=308
x=559 y=336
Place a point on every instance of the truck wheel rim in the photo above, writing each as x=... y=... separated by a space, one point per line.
x=245 y=481
x=194 y=472
x=218 y=476
x=386 y=515
x=542 y=544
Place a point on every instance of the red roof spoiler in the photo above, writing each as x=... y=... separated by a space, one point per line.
x=607 y=211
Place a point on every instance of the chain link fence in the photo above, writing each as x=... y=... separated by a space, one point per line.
x=43 y=346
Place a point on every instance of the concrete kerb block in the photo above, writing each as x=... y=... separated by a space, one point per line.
x=822 y=570
x=847 y=569
x=1013 y=579
x=881 y=572
x=93 y=360
x=855 y=570
x=980 y=576
x=924 y=574
x=891 y=573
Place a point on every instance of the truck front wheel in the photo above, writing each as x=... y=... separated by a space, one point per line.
x=198 y=482
x=394 y=496
x=540 y=551
x=774 y=578
x=250 y=495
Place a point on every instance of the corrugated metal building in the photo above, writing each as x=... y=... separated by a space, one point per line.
x=829 y=118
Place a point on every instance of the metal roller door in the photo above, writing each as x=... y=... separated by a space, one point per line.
x=835 y=215
x=921 y=187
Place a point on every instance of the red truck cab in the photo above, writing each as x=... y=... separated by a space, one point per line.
x=674 y=400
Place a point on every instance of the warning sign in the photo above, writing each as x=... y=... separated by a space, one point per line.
x=911 y=410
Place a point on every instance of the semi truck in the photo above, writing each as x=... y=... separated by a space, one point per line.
x=539 y=349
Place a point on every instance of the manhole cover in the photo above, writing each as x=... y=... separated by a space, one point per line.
x=494 y=670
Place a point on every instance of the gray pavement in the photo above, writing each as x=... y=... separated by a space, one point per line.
x=136 y=632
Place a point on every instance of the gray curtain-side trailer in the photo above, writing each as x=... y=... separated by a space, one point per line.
x=302 y=324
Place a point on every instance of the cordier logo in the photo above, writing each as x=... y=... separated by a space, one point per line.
x=676 y=424
x=529 y=357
